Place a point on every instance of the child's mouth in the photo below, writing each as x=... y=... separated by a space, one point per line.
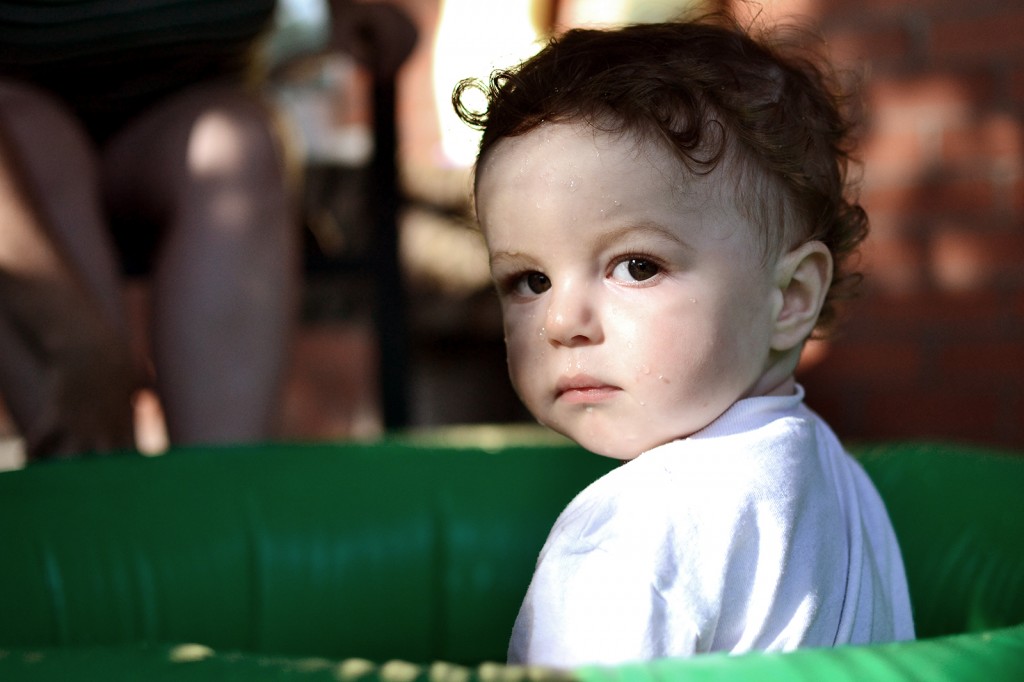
x=584 y=390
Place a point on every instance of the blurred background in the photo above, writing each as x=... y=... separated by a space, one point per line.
x=932 y=349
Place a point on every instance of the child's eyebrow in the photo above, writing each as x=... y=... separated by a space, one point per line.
x=515 y=259
x=641 y=229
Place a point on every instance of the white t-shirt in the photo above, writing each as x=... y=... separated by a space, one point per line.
x=757 y=533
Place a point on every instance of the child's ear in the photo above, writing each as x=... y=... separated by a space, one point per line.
x=803 y=277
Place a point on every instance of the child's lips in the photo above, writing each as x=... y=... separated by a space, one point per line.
x=584 y=389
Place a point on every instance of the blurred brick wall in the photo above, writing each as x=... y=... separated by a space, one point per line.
x=934 y=348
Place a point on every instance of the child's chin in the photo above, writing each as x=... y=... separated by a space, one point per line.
x=601 y=436
x=622 y=457
x=611 y=450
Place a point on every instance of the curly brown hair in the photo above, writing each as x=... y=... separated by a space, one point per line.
x=708 y=88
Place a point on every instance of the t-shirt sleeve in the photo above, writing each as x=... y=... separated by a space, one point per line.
x=617 y=581
x=589 y=606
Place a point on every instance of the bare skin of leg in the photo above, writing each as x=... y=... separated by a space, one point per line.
x=66 y=367
x=208 y=165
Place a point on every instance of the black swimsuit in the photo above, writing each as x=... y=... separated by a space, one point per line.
x=111 y=59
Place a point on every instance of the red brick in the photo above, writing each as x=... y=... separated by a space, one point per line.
x=996 y=141
x=877 y=8
x=943 y=413
x=963 y=259
x=1016 y=198
x=842 y=409
x=774 y=12
x=870 y=363
x=1017 y=85
x=926 y=314
x=874 y=42
x=955 y=195
x=888 y=205
x=994 y=36
x=1018 y=306
x=1015 y=435
x=925 y=102
x=886 y=220
x=894 y=158
x=986 y=362
x=894 y=264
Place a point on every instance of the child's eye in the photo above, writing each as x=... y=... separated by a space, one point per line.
x=536 y=282
x=635 y=269
x=530 y=283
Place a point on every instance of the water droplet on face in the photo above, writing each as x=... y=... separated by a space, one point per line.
x=693 y=300
x=645 y=369
x=543 y=332
x=589 y=409
x=663 y=378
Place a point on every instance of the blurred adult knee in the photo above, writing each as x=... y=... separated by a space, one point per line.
x=235 y=136
x=216 y=144
x=235 y=145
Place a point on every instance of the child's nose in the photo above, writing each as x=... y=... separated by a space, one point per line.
x=572 y=317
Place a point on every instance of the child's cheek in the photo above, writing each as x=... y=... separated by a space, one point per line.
x=518 y=351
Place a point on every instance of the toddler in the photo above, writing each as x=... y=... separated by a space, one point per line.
x=666 y=215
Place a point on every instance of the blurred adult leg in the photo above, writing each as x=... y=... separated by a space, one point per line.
x=66 y=369
x=209 y=165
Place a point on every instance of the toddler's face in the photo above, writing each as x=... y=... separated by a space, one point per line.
x=637 y=305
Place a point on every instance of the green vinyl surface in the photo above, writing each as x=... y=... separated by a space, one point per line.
x=407 y=559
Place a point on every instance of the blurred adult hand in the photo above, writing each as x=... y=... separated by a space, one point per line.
x=77 y=372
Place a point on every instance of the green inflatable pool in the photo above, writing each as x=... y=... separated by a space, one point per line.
x=406 y=560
